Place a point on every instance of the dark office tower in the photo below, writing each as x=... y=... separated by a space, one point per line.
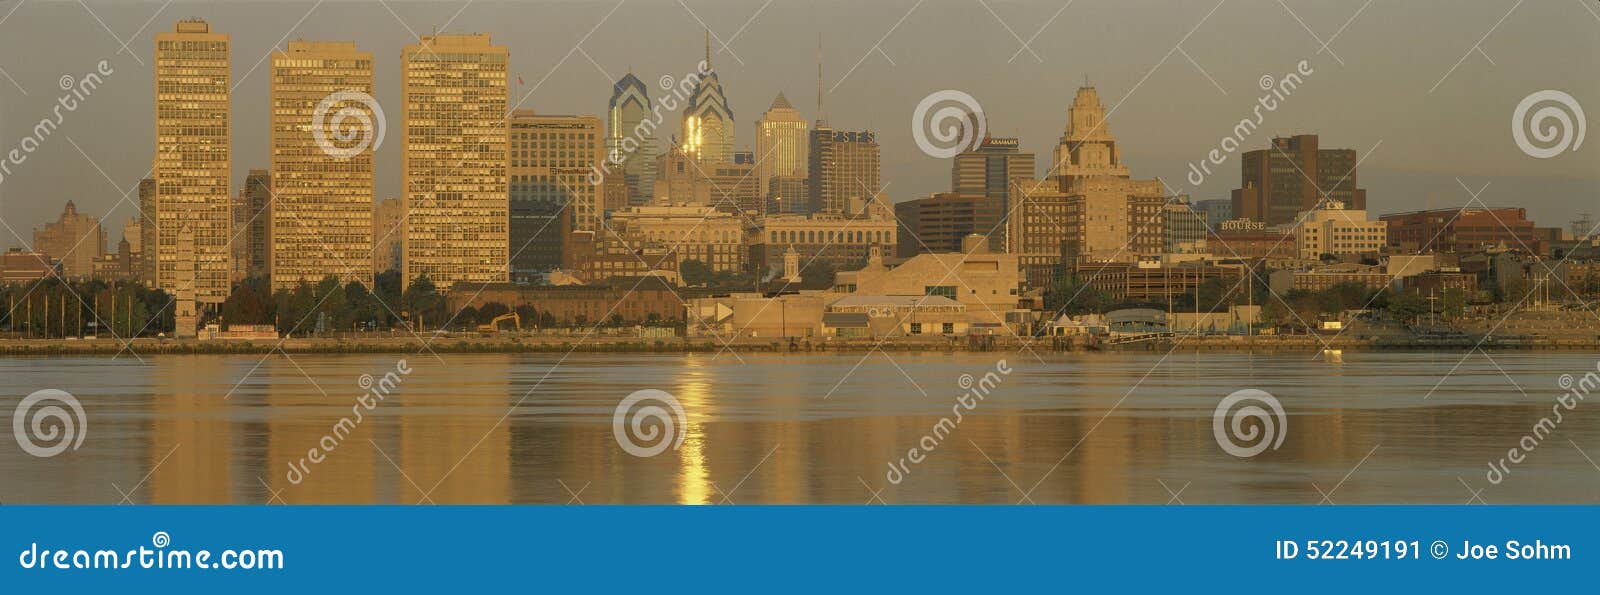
x=1293 y=175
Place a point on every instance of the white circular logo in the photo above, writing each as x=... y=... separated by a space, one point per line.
x=338 y=135
x=652 y=416
x=46 y=430
x=1555 y=126
x=947 y=123
x=1251 y=428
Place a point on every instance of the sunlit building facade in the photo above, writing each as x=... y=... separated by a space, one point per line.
x=453 y=162
x=323 y=188
x=193 y=86
x=631 y=138
x=551 y=159
x=707 y=119
x=781 y=144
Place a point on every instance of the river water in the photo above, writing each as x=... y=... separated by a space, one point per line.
x=1394 y=427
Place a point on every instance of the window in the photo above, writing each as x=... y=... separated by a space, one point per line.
x=916 y=328
x=949 y=328
x=948 y=291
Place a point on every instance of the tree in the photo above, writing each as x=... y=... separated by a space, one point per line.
x=423 y=304
x=529 y=315
x=1074 y=297
x=492 y=310
x=250 y=303
x=694 y=272
x=818 y=274
x=1407 y=306
x=386 y=292
x=465 y=317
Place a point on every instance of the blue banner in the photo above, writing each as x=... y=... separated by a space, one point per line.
x=240 y=549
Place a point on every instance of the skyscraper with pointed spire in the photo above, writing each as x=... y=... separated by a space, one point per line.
x=630 y=146
x=781 y=144
x=707 y=120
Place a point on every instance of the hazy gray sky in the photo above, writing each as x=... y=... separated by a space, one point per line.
x=1383 y=83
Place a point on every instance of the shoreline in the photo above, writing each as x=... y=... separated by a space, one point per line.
x=526 y=344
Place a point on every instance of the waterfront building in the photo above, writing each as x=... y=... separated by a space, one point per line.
x=1293 y=176
x=1462 y=230
x=1320 y=278
x=1157 y=282
x=1333 y=229
x=454 y=153
x=551 y=159
x=986 y=282
x=755 y=315
x=705 y=234
x=707 y=119
x=193 y=159
x=844 y=168
x=252 y=226
x=844 y=243
x=388 y=221
x=1087 y=148
x=942 y=221
x=322 y=189
x=631 y=138
x=782 y=138
x=74 y=240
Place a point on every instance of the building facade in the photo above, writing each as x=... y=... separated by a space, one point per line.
x=707 y=120
x=782 y=141
x=551 y=193
x=1292 y=176
x=1087 y=149
x=844 y=166
x=1114 y=219
x=454 y=154
x=631 y=138
x=388 y=225
x=941 y=222
x=1462 y=230
x=844 y=243
x=252 y=220
x=1186 y=229
x=1333 y=229
x=713 y=237
x=322 y=189
x=193 y=158
x=74 y=241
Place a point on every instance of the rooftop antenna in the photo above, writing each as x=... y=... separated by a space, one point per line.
x=708 y=49
x=821 y=120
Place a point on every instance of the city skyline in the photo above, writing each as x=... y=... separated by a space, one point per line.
x=1407 y=164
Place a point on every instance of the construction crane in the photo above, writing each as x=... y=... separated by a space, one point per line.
x=494 y=325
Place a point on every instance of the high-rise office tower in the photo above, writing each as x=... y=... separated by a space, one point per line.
x=781 y=138
x=453 y=160
x=322 y=185
x=844 y=168
x=631 y=138
x=989 y=171
x=707 y=120
x=551 y=159
x=1294 y=176
x=147 y=231
x=387 y=222
x=193 y=82
x=252 y=226
x=1087 y=148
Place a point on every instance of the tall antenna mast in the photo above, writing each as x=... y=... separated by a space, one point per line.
x=821 y=119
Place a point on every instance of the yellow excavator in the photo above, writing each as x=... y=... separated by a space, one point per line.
x=494 y=325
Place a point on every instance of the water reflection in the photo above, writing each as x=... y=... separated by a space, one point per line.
x=233 y=429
